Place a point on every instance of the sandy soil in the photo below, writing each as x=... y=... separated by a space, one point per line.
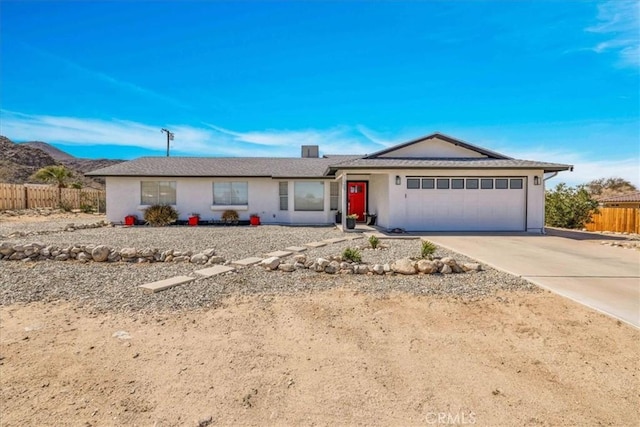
x=328 y=358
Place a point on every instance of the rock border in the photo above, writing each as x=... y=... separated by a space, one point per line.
x=102 y=253
x=337 y=265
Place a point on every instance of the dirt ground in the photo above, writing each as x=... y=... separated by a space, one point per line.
x=327 y=358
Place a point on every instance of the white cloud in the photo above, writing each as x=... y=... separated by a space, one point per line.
x=586 y=169
x=619 y=20
x=189 y=140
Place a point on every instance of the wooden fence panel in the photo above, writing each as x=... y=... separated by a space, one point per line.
x=42 y=197
x=17 y=196
x=623 y=220
x=12 y=196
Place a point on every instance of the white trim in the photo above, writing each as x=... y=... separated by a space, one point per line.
x=229 y=207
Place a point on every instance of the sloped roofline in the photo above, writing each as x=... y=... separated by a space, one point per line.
x=439 y=135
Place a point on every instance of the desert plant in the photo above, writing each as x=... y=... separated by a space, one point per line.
x=353 y=216
x=56 y=174
x=428 y=249
x=568 y=207
x=160 y=215
x=374 y=241
x=230 y=216
x=351 y=254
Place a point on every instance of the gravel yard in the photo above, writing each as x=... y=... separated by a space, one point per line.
x=114 y=286
x=80 y=344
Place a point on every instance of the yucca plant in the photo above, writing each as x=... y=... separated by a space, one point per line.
x=351 y=254
x=428 y=249
x=374 y=242
x=160 y=215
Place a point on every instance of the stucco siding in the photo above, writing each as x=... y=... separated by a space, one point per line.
x=195 y=195
x=433 y=148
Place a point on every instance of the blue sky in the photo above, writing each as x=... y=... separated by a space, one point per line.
x=554 y=81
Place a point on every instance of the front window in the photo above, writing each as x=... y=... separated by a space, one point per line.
x=334 y=197
x=158 y=192
x=309 y=196
x=230 y=193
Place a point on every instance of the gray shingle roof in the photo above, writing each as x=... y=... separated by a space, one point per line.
x=221 y=167
x=456 y=163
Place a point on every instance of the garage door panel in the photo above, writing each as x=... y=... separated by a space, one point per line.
x=466 y=209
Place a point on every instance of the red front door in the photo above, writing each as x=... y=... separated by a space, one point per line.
x=357 y=199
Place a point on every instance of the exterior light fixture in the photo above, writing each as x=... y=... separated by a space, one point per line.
x=397 y=179
x=536 y=180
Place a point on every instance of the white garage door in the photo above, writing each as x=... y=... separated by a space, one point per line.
x=466 y=204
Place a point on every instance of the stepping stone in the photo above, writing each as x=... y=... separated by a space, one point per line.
x=161 y=285
x=278 y=254
x=354 y=237
x=215 y=270
x=335 y=240
x=316 y=244
x=295 y=249
x=247 y=261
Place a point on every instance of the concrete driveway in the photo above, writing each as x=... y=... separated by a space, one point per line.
x=572 y=264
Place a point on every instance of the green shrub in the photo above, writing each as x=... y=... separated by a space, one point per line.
x=351 y=254
x=65 y=205
x=160 y=215
x=568 y=207
x=230 y=216
x=86 y=208
x=428 y=249
x=374 y=241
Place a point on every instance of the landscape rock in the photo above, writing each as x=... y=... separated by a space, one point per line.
x=100 y=253
x=270 y=263
x=199 y=259
x=426 y=266
x=128 y=252
x=446 y=269
x=332 y=268
x=471 y=266
x=378 y=269
x=404 y=266
x=286 y=267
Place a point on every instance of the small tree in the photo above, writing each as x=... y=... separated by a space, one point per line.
x=58 y=175
x=606 y=187
x=569 y=207
x=55 y=174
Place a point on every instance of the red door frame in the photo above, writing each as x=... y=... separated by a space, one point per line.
x=364 y=197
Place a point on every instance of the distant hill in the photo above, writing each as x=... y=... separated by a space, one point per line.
x=49 y=149
x=19 y=161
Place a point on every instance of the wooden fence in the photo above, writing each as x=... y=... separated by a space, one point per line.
x=616 y=219
x=18 y=196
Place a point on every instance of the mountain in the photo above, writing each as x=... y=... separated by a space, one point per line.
x=54 y=152
x=19 y=161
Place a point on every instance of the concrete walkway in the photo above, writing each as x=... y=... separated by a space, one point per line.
x=571 y=264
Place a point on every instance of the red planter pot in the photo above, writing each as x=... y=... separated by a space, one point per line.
x=193 y=220
x=254 y=220
x=130 y=220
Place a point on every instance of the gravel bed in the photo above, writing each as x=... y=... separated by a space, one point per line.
x=9 y=225
x=114 y=286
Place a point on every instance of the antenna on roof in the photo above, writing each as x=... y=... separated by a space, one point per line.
x=170 y=136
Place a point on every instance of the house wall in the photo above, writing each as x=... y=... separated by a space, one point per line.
x=389 y=199
x=433 y=148
x=379 y=196
x=196 y=195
